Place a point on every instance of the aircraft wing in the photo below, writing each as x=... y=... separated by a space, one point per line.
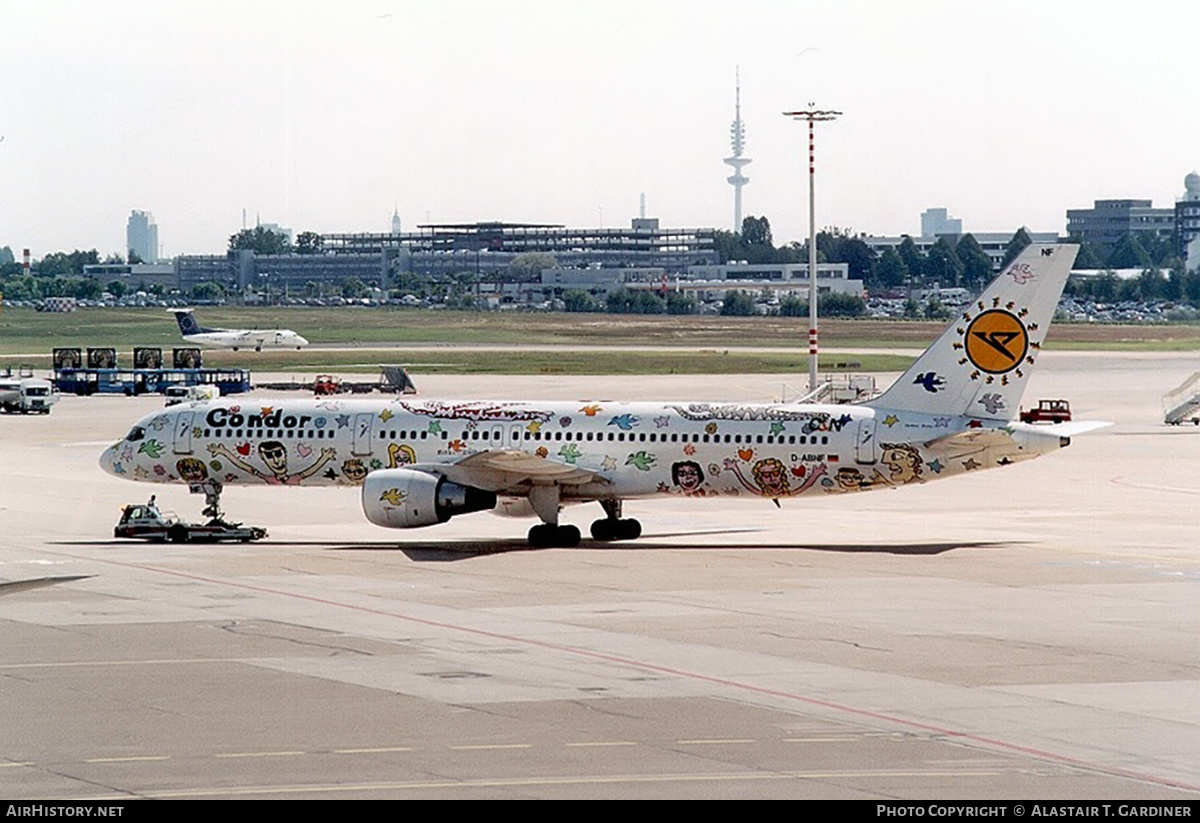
x=499 y=469
x=1029 y=439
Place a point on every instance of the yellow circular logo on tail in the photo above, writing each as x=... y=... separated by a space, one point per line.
x=996 y=341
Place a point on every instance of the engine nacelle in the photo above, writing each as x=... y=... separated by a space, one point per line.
x=405 y=499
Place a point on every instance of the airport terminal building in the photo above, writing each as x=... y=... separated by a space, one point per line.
x=1110 y=220
x=993 y=243
x=484 y=250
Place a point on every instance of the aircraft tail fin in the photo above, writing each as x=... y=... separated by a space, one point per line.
x=187 y=322
x=981 y=363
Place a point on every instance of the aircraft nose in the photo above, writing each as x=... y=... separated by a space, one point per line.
x=110 y=460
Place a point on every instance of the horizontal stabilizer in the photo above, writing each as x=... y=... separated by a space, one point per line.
x=1073 y=427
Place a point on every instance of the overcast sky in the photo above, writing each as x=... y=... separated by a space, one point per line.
x=325 y=116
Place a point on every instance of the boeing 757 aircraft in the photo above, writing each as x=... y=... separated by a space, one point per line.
x=419 y=463
x=235 y=339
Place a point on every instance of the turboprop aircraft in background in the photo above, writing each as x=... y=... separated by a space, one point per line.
x=422 y=462
x=235 y=339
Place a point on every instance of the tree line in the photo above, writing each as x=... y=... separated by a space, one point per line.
x=948 y=263
x=963 y=263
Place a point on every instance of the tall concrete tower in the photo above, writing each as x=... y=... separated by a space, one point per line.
x=737 y=138
x=141 y=236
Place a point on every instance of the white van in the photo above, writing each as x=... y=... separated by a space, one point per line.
x=182 y=394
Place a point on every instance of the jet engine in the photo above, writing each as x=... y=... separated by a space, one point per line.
x=404 y=499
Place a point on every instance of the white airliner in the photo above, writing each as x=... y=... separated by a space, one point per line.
x=235 y=339
x=422 y=462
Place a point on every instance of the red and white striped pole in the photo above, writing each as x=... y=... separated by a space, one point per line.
x=813 y=347
x=812 y=115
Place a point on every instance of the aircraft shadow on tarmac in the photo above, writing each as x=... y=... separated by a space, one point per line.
x=429 y=551
x=14 y=586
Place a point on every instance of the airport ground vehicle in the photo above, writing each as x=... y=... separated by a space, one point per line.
x=146 y=522
x=1048 y=411
x=1182 y=404
x=26 y=393
x=326 y=384
x=132 y=382
x=184 y=394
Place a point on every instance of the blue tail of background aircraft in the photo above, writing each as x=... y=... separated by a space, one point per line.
x=187 y=322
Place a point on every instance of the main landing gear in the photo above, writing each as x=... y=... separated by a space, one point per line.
x=545 y=501
x=613 y=527
x=549 y=534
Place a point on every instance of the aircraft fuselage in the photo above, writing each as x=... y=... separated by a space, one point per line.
x=257 y=339
x=627 y=450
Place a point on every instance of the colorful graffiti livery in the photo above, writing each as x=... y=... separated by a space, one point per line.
x=421 y=463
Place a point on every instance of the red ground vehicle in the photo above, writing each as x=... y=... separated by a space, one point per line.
x=326 y=384
x=1048 y=411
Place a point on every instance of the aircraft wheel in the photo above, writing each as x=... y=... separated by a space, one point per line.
x=629 y=529
x=545 y=536
x=604 y=530
x=610 y=529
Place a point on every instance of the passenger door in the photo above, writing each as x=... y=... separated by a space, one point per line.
x=362 y=434
x=183 y=432
x=864 y=448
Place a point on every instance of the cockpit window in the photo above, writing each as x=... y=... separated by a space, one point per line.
x=135 y=434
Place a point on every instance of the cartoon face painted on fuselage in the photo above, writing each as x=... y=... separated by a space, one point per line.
x=850 y=479
x=903 y=461
x=274 y=455
x=771 y=476
x=354 y=470
x=400 y=455
x=688 y=476
x=192 y=470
